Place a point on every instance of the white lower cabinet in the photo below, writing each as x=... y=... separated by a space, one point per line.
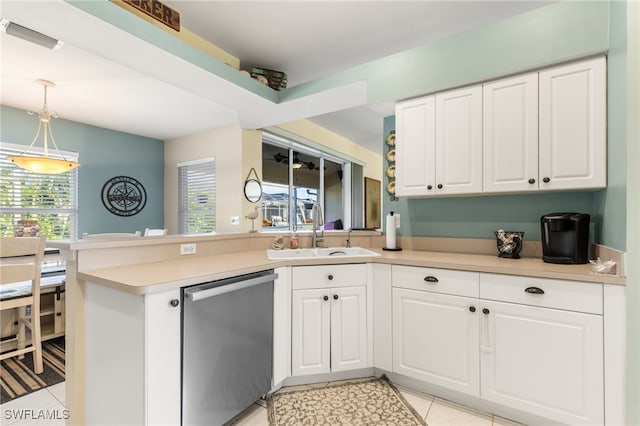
x=435 y=326
x=544 y=361
x=328 y=324
x=543 y=354
x=535 y=345
x=436 y=339
x=132 y=357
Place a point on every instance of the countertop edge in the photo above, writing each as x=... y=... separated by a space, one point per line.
x=211 y=268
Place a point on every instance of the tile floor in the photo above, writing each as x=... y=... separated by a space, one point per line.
x=44 y=407
x=30 y=410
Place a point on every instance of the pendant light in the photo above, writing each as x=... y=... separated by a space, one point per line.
x=44 y=164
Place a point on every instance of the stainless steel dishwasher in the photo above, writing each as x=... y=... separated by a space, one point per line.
x=227 y=347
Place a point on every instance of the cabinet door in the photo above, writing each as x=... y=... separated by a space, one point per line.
x=415 y=147
x=310 y=332
x=435 y=339
x=459 y=141
x=163 y=358
x=573 y=151
x=348 y=328
x=543 y=361
x=510 y=134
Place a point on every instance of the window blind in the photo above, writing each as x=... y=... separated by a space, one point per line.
x=50 y=199
x=197 y=195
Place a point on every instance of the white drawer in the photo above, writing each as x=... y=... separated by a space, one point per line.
x=324 y=276
x=544 y=292
x=446 y=281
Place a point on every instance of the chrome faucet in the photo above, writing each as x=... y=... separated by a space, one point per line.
x=348 y=242
x=316 y=216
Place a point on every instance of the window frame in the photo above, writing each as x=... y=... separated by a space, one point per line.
x=286 y=142
x=184 y=213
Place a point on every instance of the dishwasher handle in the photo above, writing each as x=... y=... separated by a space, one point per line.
x=195 y=294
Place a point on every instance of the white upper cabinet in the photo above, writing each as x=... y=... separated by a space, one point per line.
x=415 y=147
x=573 y=125
x=459 y=141
x=439 y=144
x=510 y=134
x=542 y=130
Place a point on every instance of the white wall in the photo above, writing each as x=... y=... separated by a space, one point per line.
x=226 y=145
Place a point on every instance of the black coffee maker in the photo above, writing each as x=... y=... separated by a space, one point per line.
x=565 y=238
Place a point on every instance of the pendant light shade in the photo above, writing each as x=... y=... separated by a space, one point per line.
x=44 y=164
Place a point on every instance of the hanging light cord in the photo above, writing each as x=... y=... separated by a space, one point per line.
x=45 y=117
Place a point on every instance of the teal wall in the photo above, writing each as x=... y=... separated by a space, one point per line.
x=103 y=154
x=610 y=206
x=546 y=35
x=553 y=33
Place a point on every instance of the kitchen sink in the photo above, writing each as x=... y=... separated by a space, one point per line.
x=319 y=253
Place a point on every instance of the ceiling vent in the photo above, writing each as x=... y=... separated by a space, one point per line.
x=28 y=34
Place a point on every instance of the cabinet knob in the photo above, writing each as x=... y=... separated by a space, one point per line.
x=546 y=180
x=330 y=277
x=431 y=279
x=58 y=314
x=325 y=298
x=485 y=311
x=472 y=308
x=534 y=290
x=439 y=186
x=335 y=297
x=429 y=187
x=174 y=302
x=532 y=181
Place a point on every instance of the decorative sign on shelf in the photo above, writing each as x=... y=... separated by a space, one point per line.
x=156 y=10
x=124 y=196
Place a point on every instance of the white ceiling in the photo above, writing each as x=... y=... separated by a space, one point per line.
x=108 y=78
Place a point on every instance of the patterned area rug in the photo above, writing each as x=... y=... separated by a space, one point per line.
x=369 y=402
x=18 y=379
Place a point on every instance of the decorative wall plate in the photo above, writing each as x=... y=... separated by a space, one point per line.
x=391 y=187
x=124 y=196
x=391 y=172
x=391 y=139
x=391 y=156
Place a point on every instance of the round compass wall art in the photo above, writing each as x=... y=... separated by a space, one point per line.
x=124 y=196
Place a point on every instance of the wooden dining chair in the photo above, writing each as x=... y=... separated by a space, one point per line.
x=150 y=232
x=20 y=261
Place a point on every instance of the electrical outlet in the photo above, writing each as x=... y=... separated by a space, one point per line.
x=188 y=248
x=235 y=220
x=397 y=217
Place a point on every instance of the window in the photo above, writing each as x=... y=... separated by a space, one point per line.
x=49 y=199
x=197 y=197
x=296 y=177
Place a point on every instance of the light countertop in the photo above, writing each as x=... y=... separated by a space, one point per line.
x=163 y=276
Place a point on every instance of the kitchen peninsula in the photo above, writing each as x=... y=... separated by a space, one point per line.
x=122 y=315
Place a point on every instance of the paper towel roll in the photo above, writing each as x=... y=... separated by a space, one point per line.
x=391 y=231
